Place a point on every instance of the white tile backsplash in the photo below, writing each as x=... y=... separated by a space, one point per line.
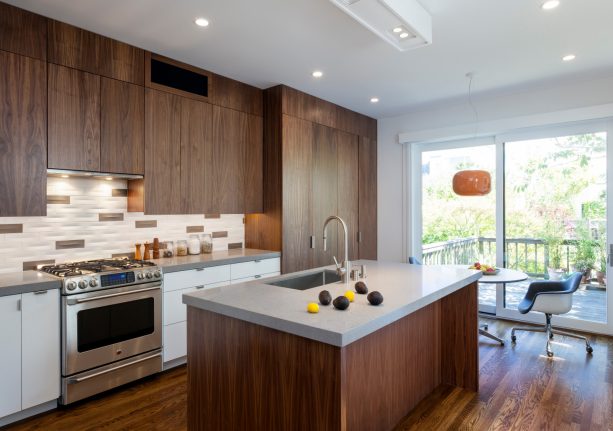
x=79 y=220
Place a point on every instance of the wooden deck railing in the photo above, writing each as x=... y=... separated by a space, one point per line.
x=530 y=255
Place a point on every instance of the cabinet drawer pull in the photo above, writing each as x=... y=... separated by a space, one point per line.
x=258 y=276
x=257 y=261
x=359 y=236
x=199 y=269
x=312 y=241
x=41 y=292
x=200 y=287
x=19 y=305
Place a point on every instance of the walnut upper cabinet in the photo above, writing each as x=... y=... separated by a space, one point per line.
x=122 y=124
x=74 y=119
x=23 y=135
x=81 y=49
x=23 y=32
x=368 y=198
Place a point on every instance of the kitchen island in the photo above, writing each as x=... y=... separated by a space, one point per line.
x=257 y=360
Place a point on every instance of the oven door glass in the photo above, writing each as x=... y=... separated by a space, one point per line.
x=107 y=325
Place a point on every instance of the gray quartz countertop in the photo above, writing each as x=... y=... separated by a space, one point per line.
x=222 y=257
x=405 y=288
x=15 y=283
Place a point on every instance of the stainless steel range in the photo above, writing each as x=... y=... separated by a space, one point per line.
x=111 y=324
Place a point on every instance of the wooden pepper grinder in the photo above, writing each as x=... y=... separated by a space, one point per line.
x=137 y=255
x=147 y=251
x=156 y=248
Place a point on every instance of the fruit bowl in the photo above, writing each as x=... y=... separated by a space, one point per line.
x=485 y=269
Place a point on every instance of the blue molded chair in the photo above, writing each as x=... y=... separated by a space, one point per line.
x=551 y=297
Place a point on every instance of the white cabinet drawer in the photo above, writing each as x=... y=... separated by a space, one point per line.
x=255 y=277
x=196 y=277
x=175 y=341
x=174 y=309
x=255 y=267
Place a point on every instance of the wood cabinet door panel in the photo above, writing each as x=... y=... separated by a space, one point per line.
x=225 y=181
x=324 y=199
x=23 y=136
x=23 y=32
x=368 y=198
x=297 y=154
x=196 y=152
x=122 y=134
x=162 y=153
x=81 y=49
x=254 y=164
x=348 y=195
x=74 y=119
x=10 y=359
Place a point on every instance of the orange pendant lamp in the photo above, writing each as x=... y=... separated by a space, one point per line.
x=472 y=183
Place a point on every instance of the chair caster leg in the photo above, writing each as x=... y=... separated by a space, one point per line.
x=513 y=339
x=549 y=350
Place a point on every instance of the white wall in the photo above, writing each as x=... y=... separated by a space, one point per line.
x=455 y=119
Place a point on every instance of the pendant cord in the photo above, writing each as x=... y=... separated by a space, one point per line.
x=470 y=102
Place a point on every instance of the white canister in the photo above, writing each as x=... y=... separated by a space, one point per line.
x=193 y=244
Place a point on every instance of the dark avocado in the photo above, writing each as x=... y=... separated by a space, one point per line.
x=325 y=298
x=341 y=303
x=375 y=298
x=361 y=288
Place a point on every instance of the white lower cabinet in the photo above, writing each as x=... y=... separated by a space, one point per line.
x=40 y=347
x=10 y=359
x=176 y=284
x=30 y=341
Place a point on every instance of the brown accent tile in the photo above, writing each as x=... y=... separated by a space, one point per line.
x=212 y=216
x=110 y=217
x=128 y=254
x=235 y=245
x=194 y=229
x=139 y=224
x=120 y=193
x=11 y=228
x=33 y=264
x=57 y=199
x=220 y=234
x=73 y=243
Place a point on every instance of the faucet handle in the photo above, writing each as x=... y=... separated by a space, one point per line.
x=339 y=268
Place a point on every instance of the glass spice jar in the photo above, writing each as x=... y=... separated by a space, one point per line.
x=206 y=243
x=193 y=244
x=181 y=249
x=169 y=249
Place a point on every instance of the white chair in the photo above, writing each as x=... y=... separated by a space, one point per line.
x=550 y=297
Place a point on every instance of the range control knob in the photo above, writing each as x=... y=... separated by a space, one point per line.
x=140 y=275
x=71 y=285
x=149 y=275
x=157 y=274
x=82 y=284
x=93 y=282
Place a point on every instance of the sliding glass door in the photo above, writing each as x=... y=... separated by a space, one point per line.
x=547 y=214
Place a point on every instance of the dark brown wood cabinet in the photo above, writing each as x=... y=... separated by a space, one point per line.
x=196 y=153
x=23 y=32
x=368 y=198
x=81 y=49
x=122 y=124
x=162 y=153
x=23 y=136
x=74 y=119
x=315 y=166
x=254 y=168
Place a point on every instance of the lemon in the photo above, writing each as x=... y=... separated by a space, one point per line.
x=312 y=307
x=350 y=295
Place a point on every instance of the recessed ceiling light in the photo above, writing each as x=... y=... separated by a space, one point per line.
x=397 y=30
x=108 y=178
x=317 y=74
x=374 y=99
x=202 y=22
x=550 y=4
x=569 y=57
x=404 y=35
x=64 y=176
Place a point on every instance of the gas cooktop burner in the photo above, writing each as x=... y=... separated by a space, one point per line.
x=93 y=266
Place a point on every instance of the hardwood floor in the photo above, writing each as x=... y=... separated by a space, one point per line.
x=519 y=389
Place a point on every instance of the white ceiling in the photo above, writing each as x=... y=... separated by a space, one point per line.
x=508 y=43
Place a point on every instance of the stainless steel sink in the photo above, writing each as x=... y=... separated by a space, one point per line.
x=307 y=281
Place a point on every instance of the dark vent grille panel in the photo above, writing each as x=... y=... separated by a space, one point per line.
x=178 y=78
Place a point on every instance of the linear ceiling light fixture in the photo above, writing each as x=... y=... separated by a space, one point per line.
x=405 y=24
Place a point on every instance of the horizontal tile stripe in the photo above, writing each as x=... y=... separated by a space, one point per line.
x=58 y=200
x=119 y=193
x=220 y=234
x=11 y=228
x=235 y=245
x=145 y=223
x=194 y=229
x=110 y=217
x=74 y=243
x=33 y=264
x=212 y=216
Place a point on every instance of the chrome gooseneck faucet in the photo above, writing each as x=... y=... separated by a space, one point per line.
x=343 y=269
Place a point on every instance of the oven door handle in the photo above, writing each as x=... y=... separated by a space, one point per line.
x=99 y=373
x=112 y=295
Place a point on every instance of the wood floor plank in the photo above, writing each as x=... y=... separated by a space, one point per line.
x=519 y=389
